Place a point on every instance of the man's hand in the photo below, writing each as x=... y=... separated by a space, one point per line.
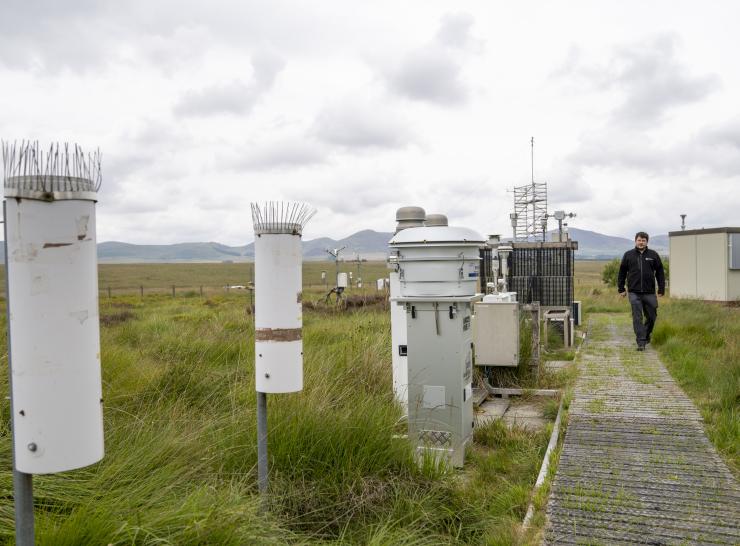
x=660 y=295
x=623 y=294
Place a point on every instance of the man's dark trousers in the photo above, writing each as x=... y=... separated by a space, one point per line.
x=643 y=304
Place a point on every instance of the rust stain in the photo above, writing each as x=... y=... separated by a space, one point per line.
x=56 y=245
x=277 y=334
x=299 y=299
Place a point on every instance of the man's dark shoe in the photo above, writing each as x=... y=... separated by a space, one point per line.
x=640 y=347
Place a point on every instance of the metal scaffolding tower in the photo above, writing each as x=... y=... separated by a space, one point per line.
x=530 y=207
x=529 y=220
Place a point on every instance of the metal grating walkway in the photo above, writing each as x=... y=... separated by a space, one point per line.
x=636 y=466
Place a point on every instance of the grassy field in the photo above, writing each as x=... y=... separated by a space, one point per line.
x=129 y=278
x=180 y=465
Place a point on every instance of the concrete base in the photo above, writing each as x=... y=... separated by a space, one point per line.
x=491 y=410
x=527 y=415
x=555 y=365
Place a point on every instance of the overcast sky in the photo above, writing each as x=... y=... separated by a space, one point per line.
x=358 y=108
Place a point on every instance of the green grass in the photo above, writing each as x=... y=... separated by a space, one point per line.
x=700 y=344
x=180 y=426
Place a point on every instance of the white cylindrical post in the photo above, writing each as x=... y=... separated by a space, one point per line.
x=278 y=315
x=53 y=309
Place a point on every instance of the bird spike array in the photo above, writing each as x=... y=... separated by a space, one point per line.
x=281 y=217
x=63 y=168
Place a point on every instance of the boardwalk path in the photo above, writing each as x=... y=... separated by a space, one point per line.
x=636 y=466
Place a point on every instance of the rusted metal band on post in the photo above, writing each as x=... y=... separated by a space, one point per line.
x=278 y=334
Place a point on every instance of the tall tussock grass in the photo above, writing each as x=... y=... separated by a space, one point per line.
x=180 y=426
x=700 y=344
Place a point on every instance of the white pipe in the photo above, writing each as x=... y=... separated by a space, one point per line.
x=278 y=315
x=53 y=309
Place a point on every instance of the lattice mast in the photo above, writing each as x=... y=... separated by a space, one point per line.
x=529 y=220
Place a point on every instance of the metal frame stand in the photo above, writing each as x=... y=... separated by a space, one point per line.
x=22 y=482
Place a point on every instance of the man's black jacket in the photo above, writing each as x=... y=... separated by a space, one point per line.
x=641 y=270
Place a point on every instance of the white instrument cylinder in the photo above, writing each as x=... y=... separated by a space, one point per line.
x=278 y=313
x=54 y=333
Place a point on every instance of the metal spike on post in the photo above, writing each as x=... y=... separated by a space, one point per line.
x=277 y=317
x=52 y=310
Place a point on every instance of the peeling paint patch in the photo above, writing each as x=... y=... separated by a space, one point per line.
x=82 y=316
x=277 y=334
x=26 y=253
x=82 y=223
x=56 y=245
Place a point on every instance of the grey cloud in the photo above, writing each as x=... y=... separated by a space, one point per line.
x=360 y=124
x=433 y=73
x=282 y=154
x=235 y=97
x=567 y=184
x=655 y=81
x=49 y=35
x=430 y=74
x=714 y=150
x=454 y=30
x=650 y=75
x=351 y=196
x=725 y=135
x=143 y=153
x=266 y=65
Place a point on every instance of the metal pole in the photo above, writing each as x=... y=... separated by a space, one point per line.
x=262 y=442
x=22 y=482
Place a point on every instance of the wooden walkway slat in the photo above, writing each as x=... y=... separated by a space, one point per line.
x=636 y=466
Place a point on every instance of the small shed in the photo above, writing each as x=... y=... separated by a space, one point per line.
x=705 y=263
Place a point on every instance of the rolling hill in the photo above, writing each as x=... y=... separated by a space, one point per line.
x=368 y=244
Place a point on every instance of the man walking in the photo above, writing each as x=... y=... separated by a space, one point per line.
x=641 y=267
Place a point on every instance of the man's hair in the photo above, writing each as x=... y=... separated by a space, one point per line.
x=643 y=235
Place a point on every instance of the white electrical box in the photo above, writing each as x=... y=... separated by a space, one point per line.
x=496 y=333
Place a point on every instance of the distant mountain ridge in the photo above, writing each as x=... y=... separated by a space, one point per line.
x=367 y=244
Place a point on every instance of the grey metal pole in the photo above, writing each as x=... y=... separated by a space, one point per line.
x=22 y=482
x=262 y=442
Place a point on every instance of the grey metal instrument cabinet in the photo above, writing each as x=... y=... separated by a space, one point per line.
x=440 y=367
